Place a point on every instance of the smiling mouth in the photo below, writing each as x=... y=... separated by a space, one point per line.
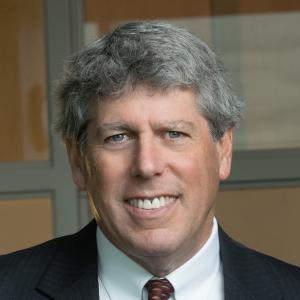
x=152 y=203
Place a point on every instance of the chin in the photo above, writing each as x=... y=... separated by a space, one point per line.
x=153 y=248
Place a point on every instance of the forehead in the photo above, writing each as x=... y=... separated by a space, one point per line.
x=143 y=102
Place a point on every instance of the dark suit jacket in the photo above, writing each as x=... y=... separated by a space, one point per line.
x=66 y=268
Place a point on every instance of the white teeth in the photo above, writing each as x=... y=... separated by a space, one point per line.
x=147 y=204
x=140 y=203
x=162 y=201
x=155 y=203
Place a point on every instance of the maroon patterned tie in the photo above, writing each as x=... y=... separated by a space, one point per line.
x=159 y=289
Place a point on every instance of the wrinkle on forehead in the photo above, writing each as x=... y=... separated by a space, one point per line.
x=134 y=116
x=167 y=124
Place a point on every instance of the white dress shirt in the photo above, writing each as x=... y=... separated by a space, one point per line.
x=201 y=277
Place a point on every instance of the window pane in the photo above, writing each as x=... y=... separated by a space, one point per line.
x=24 y=223
x=259 y=43
x=23 y=128
x=107 y=13
x=262 y=51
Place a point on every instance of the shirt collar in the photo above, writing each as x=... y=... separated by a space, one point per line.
x=114 y=267
x=198 y=273
x=119 y=274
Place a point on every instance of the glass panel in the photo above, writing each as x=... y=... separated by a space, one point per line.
x=262 y=52
x=101 y=16
x=23 y=117
x=24 y=223
x=264 y=219
x=259 y=47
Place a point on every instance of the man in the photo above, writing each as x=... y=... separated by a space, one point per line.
x=147 y=118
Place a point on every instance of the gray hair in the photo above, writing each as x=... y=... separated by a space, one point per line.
x=155 y=54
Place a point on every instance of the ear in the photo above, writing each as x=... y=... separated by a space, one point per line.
x=225 y=154
x=76 y=160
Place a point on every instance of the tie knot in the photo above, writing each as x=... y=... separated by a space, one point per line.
x=159 y=289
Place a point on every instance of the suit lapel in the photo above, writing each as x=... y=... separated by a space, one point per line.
x=246 y=273
x=72 y=273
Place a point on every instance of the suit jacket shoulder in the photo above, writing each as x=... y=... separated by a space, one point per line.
x=63 y=268
x=249 y=274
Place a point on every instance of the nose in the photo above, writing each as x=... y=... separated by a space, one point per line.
x=148 y=160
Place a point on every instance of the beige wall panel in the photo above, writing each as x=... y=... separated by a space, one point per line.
x=23 y=114
x=267 y=220
x=24 y=223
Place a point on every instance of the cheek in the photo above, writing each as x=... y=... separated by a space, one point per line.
x=195 y=167
x=107 y=177
x=103 y=191
x=199 y=174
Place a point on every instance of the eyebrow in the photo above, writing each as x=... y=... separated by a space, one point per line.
x=117 y=126
x=178 y=124
x=113 y=126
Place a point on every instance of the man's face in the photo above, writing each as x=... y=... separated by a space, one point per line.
x=152 y=169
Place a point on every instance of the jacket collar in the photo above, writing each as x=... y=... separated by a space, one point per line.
x=247 y=274
x=72 y=272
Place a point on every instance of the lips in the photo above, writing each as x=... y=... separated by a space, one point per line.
x=151 y=203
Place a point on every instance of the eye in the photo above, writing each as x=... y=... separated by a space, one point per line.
x=117 y=138
x=175 y=134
